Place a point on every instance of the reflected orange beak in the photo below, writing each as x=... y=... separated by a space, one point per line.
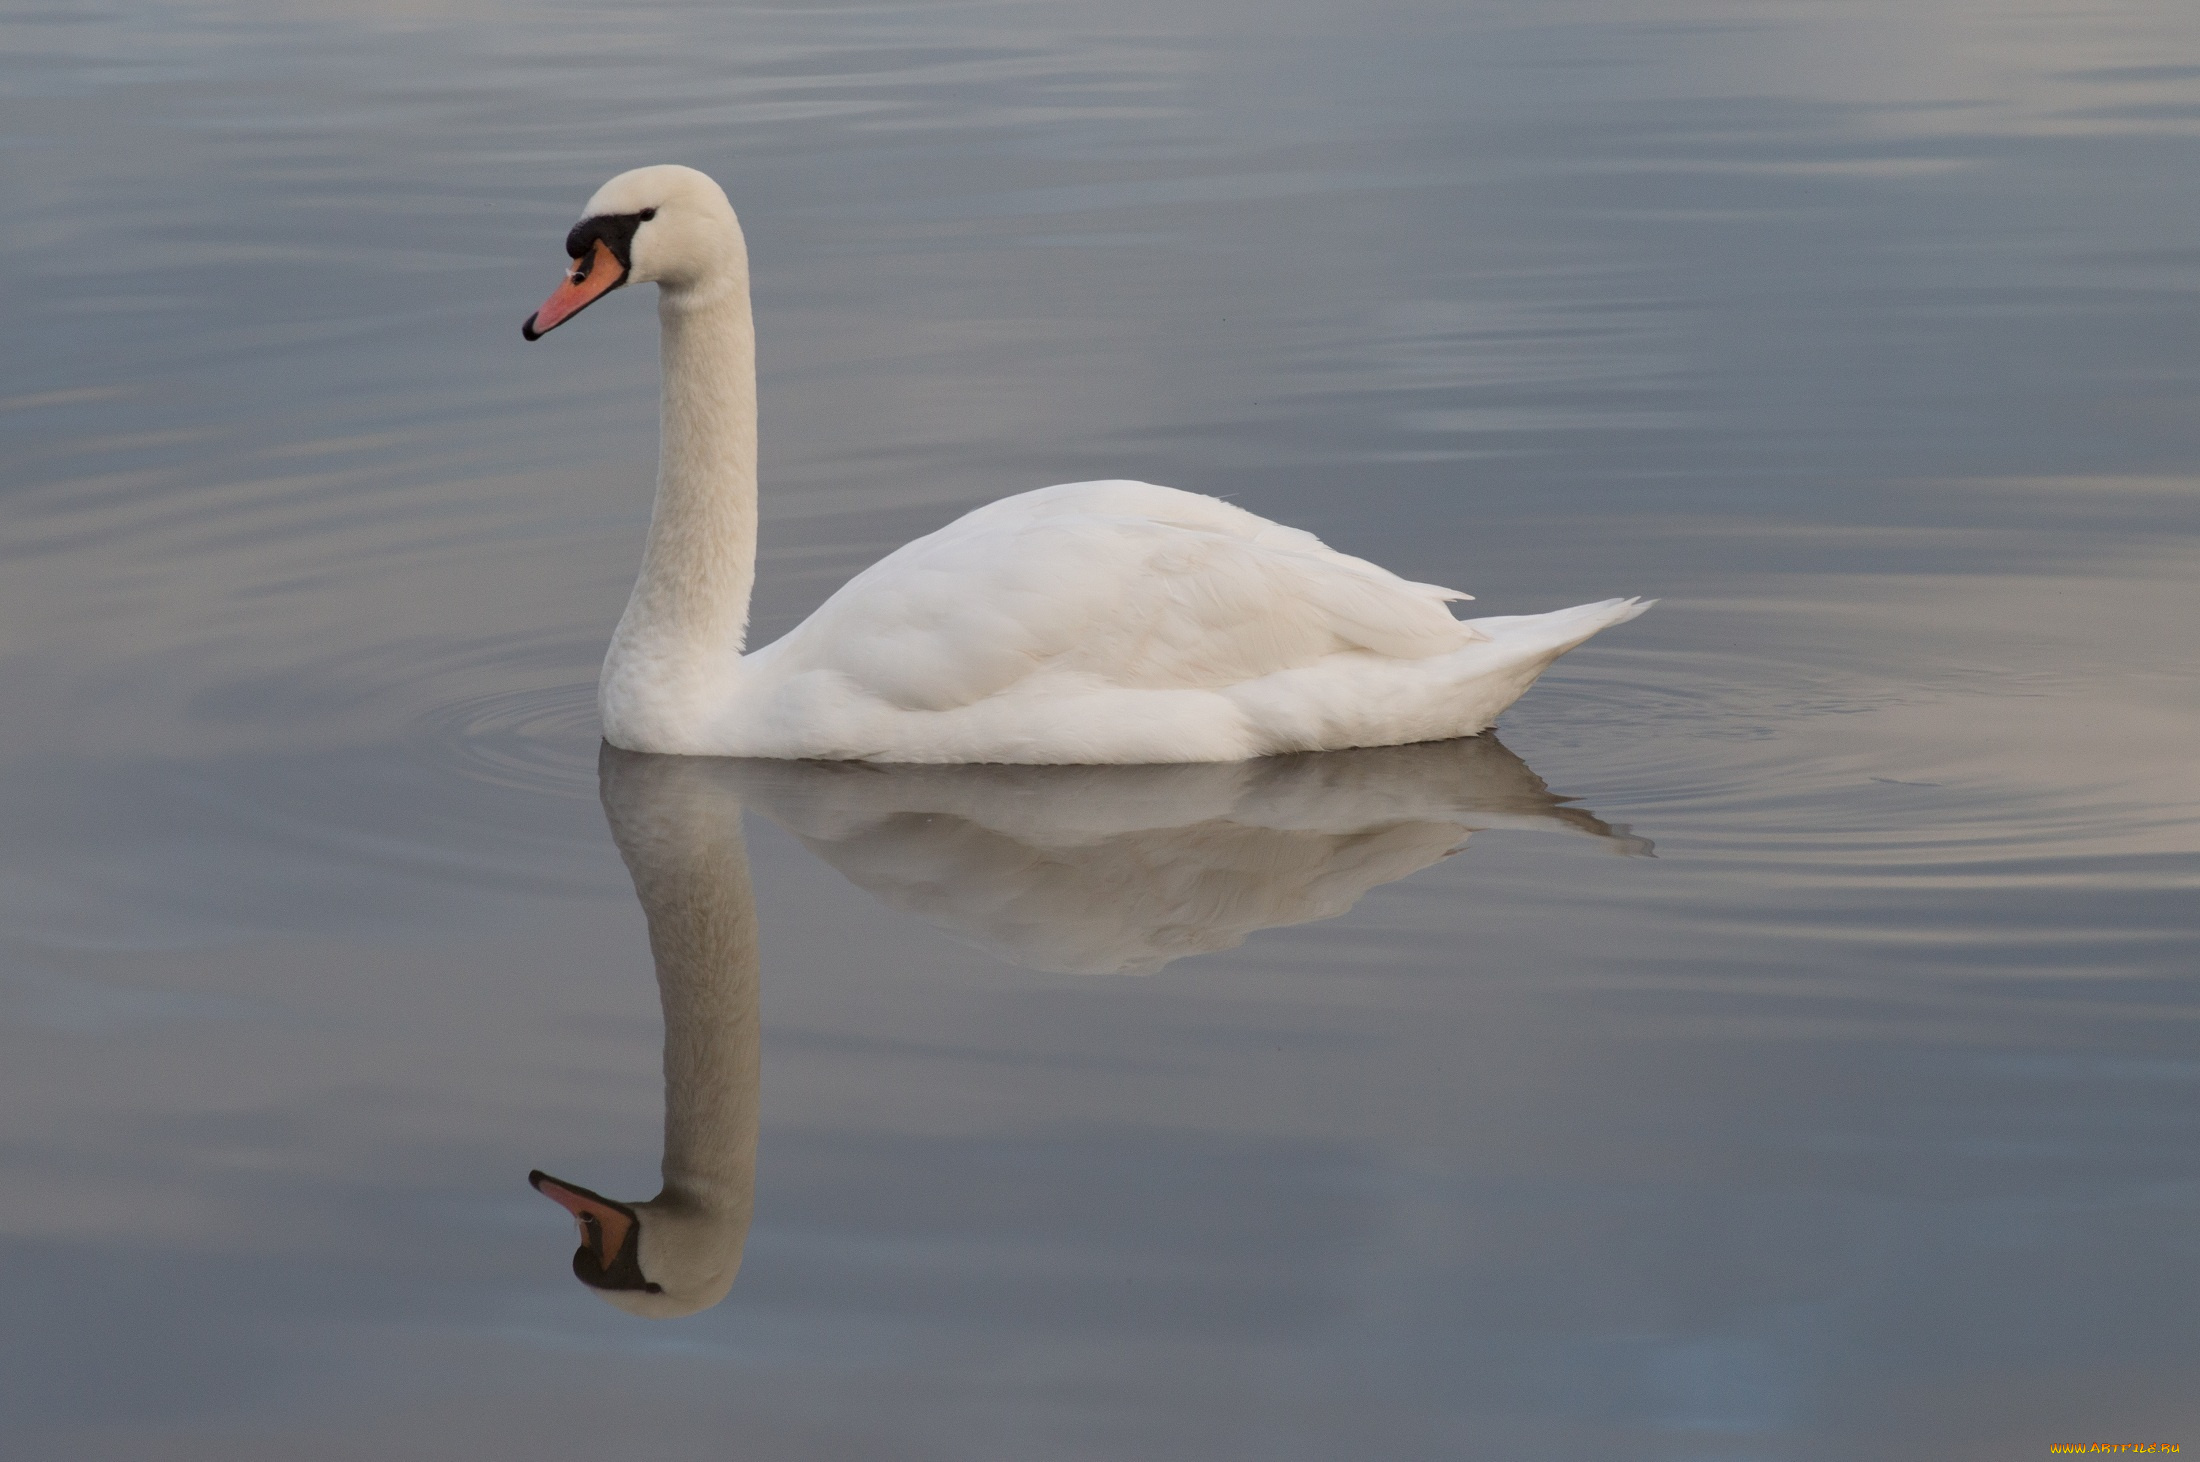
x=604 y=1224
x=590 y=280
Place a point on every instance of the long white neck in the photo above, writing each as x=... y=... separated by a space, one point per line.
x=676 y=653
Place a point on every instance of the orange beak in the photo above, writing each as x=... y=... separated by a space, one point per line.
x=604 y=1224
x=590 y=280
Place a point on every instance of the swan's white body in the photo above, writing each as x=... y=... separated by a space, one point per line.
x=1096 y=622
x=1117 y=622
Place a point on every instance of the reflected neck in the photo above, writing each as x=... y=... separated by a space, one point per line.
x=677 y=648
x=702 y=933
x=679 y=830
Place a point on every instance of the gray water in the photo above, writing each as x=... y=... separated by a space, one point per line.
x=1858 y=1119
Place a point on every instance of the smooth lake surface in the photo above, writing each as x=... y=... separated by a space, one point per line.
x=1113 y=1116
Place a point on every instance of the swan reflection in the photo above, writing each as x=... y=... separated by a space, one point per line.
x=1059 y=868
x=678 y=825
x=1121 y=869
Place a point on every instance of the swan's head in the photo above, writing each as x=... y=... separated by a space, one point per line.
x=669 y=1257
x=667 y=225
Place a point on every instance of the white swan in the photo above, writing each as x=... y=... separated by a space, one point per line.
x=1094 y=622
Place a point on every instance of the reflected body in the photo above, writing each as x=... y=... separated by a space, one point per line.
x=1123 y=869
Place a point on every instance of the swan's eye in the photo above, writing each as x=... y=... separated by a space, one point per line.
x=648 y=214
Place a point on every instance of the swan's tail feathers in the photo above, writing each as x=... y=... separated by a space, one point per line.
x=1561 y=629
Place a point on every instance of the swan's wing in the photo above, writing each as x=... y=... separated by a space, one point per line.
x=1151 y=589
x=1122 y=498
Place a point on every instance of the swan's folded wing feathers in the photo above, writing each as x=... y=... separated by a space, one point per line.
x=1206 y=597
x=924 y=640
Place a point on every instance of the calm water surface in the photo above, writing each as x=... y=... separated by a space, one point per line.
x=1200 y=1114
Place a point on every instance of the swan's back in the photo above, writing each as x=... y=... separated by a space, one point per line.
x=1120 y=584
